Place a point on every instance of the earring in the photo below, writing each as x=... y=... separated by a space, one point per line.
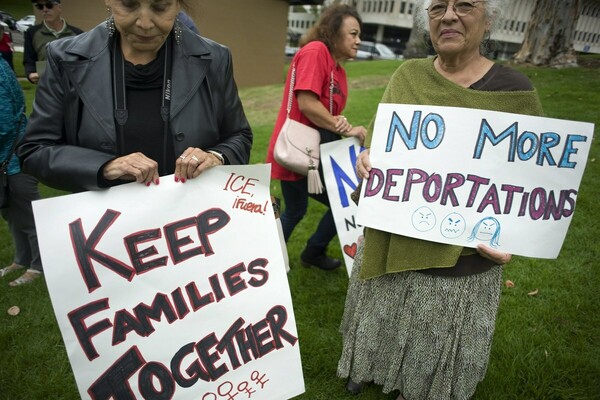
x=110 y=23
x=177 y=30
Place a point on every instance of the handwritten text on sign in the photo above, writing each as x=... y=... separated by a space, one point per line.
x=173 y=291
x=339 y=159
x=464 y=177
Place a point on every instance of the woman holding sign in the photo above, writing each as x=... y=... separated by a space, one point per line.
x=17 y=190
x=319 y=96
x=137 y=97
x=420 y=316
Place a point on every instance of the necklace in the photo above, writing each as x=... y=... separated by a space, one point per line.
x=120 y=100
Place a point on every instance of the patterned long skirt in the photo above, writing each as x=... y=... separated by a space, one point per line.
x=427 y=336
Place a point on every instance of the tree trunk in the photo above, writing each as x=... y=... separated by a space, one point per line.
x=416 y=47
x=549 y=36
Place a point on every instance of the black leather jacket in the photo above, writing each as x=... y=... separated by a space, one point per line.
x=71 y=132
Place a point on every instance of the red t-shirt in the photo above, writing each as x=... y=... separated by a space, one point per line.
x=314 y=65
x=5 y=43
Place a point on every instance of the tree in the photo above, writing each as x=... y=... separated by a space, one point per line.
x=549 y=36
x=416 y=47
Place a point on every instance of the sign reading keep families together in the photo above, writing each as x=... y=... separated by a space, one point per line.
x=173 y=291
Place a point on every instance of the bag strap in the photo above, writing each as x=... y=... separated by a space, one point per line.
x=291 y=91
x=4 y=163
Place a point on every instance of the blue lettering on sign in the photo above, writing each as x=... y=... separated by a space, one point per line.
x=564 y=160
x=341 y=177
x=526 y=145
x=418 y=129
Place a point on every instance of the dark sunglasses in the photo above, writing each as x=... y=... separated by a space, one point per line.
x=41 y=6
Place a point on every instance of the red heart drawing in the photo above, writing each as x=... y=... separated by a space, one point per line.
x=350 y=250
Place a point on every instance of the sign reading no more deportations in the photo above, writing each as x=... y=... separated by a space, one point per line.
x=464 y=176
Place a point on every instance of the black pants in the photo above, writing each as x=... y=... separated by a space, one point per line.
x=22 y=190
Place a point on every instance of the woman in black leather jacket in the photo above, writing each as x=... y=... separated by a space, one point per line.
x=137 y=97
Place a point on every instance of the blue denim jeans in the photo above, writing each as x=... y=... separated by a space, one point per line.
x=295 y=197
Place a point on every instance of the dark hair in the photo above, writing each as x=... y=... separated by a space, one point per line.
x=327 y=28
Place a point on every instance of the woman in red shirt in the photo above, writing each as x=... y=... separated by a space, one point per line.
x=6 y=45
x=332 y=40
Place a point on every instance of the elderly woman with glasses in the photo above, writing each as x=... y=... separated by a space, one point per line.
x=420 y=316
x=136 y=98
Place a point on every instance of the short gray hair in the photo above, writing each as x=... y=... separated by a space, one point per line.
x=493 y=12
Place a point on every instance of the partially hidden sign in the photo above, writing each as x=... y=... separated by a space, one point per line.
x=175 y=291
x=465 y=176
x=338 y=159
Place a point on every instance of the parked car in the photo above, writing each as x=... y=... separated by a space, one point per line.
x=291 y=51
x=8 y=20
x=24 y=23
x=374 y=51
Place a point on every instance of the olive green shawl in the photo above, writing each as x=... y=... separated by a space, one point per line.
x=417 y=82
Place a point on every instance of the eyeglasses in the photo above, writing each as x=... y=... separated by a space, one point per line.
x=41 y=6
x=460 y=8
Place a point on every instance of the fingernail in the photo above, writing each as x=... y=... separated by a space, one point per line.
x=176 y=179
x=157 y=181
x=148 y=183
x=182 y=180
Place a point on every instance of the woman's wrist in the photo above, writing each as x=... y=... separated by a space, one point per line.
x=218 y=155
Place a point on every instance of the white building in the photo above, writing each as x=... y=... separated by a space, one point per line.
x=390 y=22
x=300 y=19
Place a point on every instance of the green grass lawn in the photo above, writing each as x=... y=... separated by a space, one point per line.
x=545 y=346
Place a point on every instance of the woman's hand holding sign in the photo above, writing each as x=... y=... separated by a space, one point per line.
x=499 y=257
x=363 y=164
x=134 y=167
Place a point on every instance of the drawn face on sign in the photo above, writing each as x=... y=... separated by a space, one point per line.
x=487 y=229
x=452 y=226
x=423 y=219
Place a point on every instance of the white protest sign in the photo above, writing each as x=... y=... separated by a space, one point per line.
x=173 y=291
x=339 y=159
x=464 y=177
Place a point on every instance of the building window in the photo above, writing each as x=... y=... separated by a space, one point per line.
x=402 y=7
x=584 y=11
x=410 y=8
